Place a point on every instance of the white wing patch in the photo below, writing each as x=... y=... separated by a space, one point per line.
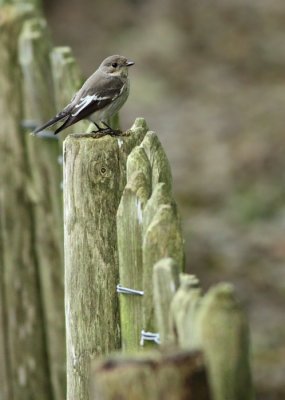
x=85 y=101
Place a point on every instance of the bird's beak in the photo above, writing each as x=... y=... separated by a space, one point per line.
x=129 y=63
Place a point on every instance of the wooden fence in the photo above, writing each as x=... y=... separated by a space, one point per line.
x=122 y=186
x=122 y=251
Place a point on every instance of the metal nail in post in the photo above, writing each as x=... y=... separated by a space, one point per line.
x=124 y=290
x=149 y=336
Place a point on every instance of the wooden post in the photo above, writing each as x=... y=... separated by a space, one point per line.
x=162 y=235
x=163 y=238
x=45 y=192
x=221 y=331
x=165 y=284
x=183 y=310
x=94 y=179
x=179 y=376
x=5 y=380
x=129 y=231
x=138 y=162
x=161 y=171
x=160 y=195
x=25 y=350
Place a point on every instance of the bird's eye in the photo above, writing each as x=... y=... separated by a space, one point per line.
x=114 y=65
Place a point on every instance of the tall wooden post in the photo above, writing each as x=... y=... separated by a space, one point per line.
x=94 y=178
x=44 y=191
x=25 y=353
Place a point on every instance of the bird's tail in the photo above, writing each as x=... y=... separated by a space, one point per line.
x=51 y=122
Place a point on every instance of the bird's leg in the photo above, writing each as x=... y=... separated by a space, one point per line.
x=107 y=126
x=97 y=126
x=104 y=131
x=99 y=129
x=116 y=132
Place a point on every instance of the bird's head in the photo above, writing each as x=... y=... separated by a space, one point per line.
x=116 y=66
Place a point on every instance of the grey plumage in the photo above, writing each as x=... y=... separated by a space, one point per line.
x=100 y=97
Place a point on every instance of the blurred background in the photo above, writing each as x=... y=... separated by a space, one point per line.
x=210 y=80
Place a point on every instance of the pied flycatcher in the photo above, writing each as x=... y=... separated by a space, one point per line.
x=101 y=96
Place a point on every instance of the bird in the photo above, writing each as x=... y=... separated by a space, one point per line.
x=101 y=96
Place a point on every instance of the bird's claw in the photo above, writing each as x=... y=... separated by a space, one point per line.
x=107 y=131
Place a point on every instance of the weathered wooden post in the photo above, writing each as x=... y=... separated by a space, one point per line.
x=221 y=332
x=163 y=238
x=94 y=179
x=183 y=310
x=44 y=191
x=5 y=384
x=165 y=284
x=162 y=228
x=153 y=376
x=129 y=228
x=160 y=167
x=25 y=352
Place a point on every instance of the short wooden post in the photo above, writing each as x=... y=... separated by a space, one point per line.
x=94 y=179
x=160 y=195
x=138 y=162
x=165 y=284
x=161 y=171
x=221 y=331
x=163 y=238
x=25 y=352
x=183 y=310
x=179 y=376
x=45 y=191
x=129 y=231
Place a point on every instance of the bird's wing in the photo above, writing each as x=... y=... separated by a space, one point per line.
x=97 y=96
x=93 y=96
